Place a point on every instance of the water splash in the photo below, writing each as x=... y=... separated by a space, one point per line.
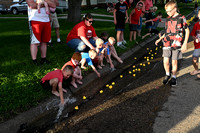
x=61 y=107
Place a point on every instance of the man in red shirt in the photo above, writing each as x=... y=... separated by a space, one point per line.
x=82 y=37
x=53 y=80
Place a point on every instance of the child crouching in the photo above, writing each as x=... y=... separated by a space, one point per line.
x=53 y=80
x=87 y=58
x=74 y=62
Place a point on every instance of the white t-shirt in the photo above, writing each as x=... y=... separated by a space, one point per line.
x=34 y=15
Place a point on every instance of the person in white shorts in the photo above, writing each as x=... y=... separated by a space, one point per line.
x=40 y=29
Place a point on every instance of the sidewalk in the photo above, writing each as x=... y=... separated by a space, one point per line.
x=161 y=25
x=181 y=112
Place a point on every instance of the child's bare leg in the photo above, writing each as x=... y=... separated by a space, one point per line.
x=146 y=35
x=46 y=8
x=117 y=58
x=73 y=82
x=134 y=35
x=195 y=64
x=83 y=61
x=54 y=84
x=64 y=90
x=102 y=56
x=139 y=32
x=78 y=72
x=114 y=54
x=79 y=81
x=110 y=61
x=131 y=35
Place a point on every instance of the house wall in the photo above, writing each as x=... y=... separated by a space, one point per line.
x=6 y=3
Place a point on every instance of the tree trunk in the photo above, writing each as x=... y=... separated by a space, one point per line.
x=88 y=4
x=74 y=14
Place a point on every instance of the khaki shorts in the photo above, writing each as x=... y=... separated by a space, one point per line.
x=174 y=54
x=54 y=21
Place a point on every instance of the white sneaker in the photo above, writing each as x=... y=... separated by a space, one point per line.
x=119 y=44
x=124 y=42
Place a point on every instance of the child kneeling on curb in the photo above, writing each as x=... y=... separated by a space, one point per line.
x=74 y=62
x=87 y=57
x=53 y=80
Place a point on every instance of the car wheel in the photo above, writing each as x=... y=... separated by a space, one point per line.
x=14 y=11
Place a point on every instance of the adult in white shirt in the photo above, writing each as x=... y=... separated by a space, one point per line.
x=40 y=29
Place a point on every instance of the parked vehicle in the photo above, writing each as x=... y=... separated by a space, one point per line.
x=3 y=9
x=19 y=8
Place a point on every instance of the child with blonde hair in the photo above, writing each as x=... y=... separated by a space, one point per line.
x=112 y=51
x=87 y=58
x=100 y=52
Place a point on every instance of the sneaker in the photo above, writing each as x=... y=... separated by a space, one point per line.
x=35 y=62
x=59 y=42
x=122 y=46
x=44 y=61
x=173 y=82
x=124 y=42
x=166 y=79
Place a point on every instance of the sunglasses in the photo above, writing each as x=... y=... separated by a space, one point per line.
x=90 y=21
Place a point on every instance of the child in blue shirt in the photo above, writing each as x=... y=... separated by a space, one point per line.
x=86 y=58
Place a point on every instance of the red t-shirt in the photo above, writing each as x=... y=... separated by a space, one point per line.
x=53 y=74
x=69 y=63
x=196 y=33
x=81 y=30
x=136 y=16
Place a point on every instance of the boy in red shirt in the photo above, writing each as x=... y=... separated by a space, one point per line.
x=74 y=62
x=134 y=20
x=54 y=79
x=196 y=54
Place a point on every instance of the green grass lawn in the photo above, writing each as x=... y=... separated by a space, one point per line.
x=19 y=78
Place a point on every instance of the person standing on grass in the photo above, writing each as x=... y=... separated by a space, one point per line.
x=120 y=18
x=56 y=26
x=82 y=37
x=54 y=79
x=40 y=29
x=153 y=29
x=173 y=41
x=139 y=27
x=196 y=54
x=135 y=21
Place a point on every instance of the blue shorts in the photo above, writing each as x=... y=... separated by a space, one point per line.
x=79 y=45
x=133 y=27
x=119 y=29
x=196 y=53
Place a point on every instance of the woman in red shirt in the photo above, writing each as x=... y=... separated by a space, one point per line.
x=82 y=37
